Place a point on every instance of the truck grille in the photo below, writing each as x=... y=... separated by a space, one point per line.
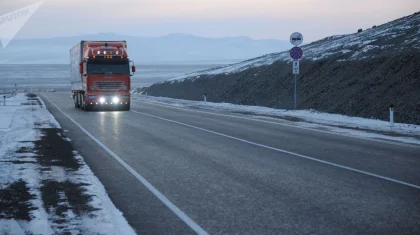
x=108 y=85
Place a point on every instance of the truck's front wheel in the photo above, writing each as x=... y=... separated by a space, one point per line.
x=82 y=102
x=88 y=108
x=125 y=107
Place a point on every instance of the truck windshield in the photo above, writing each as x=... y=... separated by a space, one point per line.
x=108 y=69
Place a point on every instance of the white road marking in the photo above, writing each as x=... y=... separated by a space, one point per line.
x=284 y=124
x=285 y=151
x=187 y=220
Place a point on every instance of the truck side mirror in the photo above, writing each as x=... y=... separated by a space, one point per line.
x=80 y=67
x=133 y=68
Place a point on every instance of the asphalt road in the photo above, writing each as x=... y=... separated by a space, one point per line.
x=226 y=175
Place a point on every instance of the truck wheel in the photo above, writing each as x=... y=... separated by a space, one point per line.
x=80 y=101
x=82 y=104
x=76 y=100
x=126 y=107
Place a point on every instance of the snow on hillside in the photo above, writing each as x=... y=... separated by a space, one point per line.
x=397 y=35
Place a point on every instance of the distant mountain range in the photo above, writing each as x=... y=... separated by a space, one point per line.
x=169 y=48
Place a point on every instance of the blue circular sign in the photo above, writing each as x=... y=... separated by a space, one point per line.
x=296 y=53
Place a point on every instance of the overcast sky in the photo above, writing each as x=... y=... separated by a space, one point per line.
x=209 y=18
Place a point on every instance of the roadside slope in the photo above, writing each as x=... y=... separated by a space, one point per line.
x=357 y=75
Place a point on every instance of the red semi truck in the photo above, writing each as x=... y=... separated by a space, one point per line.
x=100 y=75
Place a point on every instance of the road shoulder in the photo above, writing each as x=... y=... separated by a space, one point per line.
x=46 y=187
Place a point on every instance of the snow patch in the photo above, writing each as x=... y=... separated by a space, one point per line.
x=19 y=129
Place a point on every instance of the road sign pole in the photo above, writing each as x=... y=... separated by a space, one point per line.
x=296 y=54
x=295 y=96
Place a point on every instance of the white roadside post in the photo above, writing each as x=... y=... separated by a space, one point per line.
x=205 y=98
x=391 y=115
x=4 y=98
x=296 y=54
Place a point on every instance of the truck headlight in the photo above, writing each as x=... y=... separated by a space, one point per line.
x=102 y=100
x=115 y=100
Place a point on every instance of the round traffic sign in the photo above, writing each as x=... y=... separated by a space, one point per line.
x=296 y=53
x=296 y=38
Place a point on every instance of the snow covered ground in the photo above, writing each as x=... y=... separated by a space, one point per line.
x=39 y=193
x=351 y=126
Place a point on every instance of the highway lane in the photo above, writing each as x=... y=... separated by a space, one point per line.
x=230 y=186
x=399 y=162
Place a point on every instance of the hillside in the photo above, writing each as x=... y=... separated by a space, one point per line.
x=359 y=74
x=169 y=48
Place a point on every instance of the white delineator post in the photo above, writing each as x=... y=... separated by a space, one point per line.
x=391 y=115
x=205 y=98
x=4 y=98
